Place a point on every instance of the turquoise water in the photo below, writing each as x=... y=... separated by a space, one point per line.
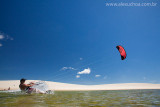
x=117 y=98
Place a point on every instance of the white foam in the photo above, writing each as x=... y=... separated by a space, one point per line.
x=40 y=86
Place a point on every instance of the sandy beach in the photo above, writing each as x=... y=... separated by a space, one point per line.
x=14 y=85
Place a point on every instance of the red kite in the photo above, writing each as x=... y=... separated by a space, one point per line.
x=121 y=51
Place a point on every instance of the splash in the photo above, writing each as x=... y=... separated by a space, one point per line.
x=41 y=87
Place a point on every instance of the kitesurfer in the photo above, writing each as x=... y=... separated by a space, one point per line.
x=26 y=87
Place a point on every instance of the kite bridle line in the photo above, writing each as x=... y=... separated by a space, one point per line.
x=77 y=69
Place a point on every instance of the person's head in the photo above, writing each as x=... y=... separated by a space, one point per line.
x=22 y=80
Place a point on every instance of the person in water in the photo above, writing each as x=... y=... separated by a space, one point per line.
x=26 y=87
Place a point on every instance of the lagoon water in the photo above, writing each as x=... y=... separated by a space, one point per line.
x=116 y=98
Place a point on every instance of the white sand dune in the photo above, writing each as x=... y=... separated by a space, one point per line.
x=14 y=85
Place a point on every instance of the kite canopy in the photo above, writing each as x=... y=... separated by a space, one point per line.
x=121 y=51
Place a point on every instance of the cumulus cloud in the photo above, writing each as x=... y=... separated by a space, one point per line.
x=67 y=68
x=154 y=81
x=1 y=36
x=144 y=78
x=85 y=71
x=5 y=37
x=80 y=58
x=97 y=76
x=77 y=76
x=105 y=77
x=8 y=37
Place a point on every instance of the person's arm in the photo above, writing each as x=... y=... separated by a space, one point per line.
x=29 y=85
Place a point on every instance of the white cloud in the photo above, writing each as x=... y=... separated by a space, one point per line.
x=105 y=77
x=97 y=76
x=77 y=76
x=1 y=36
x=80 y=58
x=85 y=71
x=144 y=78
x=4 y=36
x=8 y=37
x=154 y=81
x=68 y=68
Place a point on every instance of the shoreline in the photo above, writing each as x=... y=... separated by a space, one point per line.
x=57 y=86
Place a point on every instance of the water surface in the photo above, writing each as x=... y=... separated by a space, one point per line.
x=117 y=98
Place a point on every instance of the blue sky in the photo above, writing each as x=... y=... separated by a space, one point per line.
x=53 y=40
